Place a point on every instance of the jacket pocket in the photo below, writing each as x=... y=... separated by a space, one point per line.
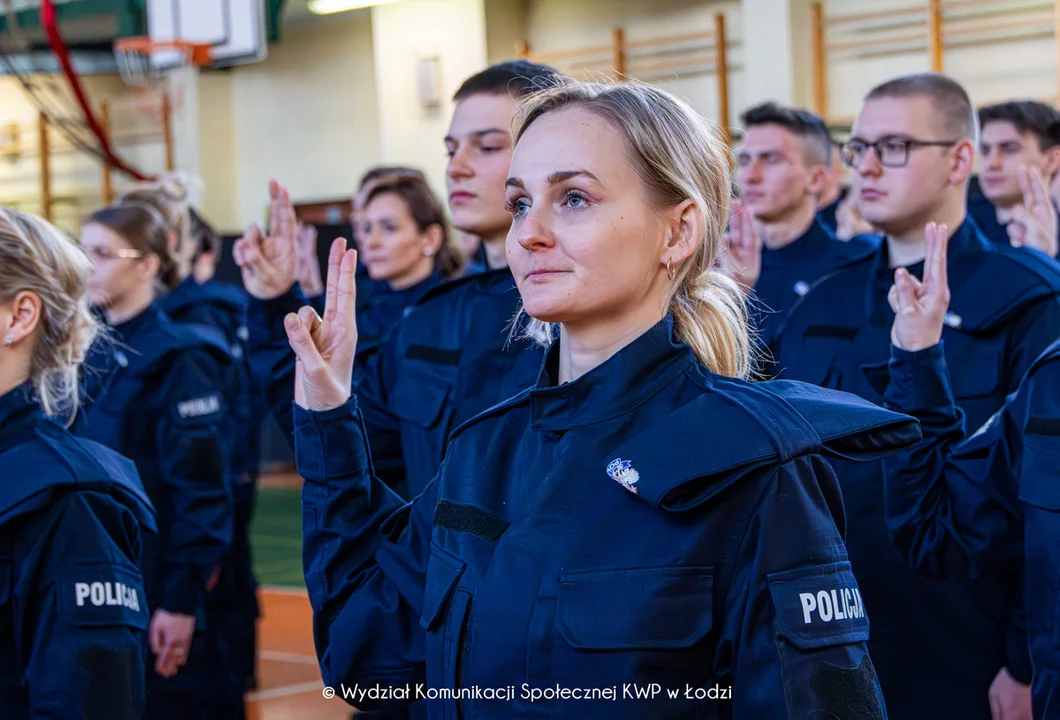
x=1039 y=483
x=446 y=609
x=635 y=609
x=420 y=398
x=443 y=574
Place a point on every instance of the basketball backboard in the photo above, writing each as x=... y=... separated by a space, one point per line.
x=236 y=29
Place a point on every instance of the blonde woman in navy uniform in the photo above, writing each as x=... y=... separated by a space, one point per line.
x=643 y=516
x=73 y=616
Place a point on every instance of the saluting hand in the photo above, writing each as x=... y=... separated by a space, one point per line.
x=1034 y=224
x=920 y=307
x=269 y=264
x=741 y=252
x=325 y=348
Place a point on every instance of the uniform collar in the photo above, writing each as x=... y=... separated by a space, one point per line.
x=500 y=281
x=17 y=402
x=621 y=383
x=421 y=288
x=150 y=316
x=966 y=241
x=812 y=243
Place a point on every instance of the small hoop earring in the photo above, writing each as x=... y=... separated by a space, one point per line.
x=670 y=271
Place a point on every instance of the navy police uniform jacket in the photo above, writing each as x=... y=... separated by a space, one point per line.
x=937 y=645
x=379 y=313
x=73 y=617
x=448 y=360
x=788 y=272
x=961 y=507
x=649 y=540
x=162 y=404
x=224 y=308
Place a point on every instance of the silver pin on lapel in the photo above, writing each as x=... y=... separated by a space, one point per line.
x=622 y=471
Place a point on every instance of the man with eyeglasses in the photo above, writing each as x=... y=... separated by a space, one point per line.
x=945 y=650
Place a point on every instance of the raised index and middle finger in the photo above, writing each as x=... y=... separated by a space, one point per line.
x=331 y=292
x=935 y=276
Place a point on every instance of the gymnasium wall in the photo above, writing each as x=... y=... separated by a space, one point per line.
x=1020 y=68
x=404 y=33
x=76 y=178
x=307 y=115
x=556 y=25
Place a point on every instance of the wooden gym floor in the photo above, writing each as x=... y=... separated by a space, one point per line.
x=289 y=684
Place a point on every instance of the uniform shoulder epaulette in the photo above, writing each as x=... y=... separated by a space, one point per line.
x=858 y=247
x=41 y=467
x=225 y=294
x=1049 y=356
x=1017 y=277
x=170 y=337
x=456 y=284
x=764 y=425
x=497 y=410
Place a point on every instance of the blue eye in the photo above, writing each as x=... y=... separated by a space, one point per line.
x=575 y=200
x=515 y=207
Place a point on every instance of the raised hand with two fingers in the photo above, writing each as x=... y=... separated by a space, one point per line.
x=741 y=252
x=325 y=348
x=269 y=263
x=920 y=306
x=308 y=274
x=1034 y=223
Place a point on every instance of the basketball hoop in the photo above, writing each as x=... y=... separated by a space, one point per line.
x=135 y=55
x=156 y=89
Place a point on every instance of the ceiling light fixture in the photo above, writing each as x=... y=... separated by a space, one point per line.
x=327 y=7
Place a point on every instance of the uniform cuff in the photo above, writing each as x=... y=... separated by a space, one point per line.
x=919 y=380
x=183 y=592
x=270 y=313
x=331 y=443
x=1018 y=657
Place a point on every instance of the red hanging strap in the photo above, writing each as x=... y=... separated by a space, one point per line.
x=55 y=39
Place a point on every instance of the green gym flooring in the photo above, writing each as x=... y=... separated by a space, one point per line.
x=276 y=538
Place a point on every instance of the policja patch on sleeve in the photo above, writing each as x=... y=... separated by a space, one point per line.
x=822 y=631
x=93 y=595
x=200 y=410
x=818 y=606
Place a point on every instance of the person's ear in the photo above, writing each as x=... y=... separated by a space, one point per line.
x=150 y=265
x=684 y=229
x=21 y=317
x=818 y=180
x=1052 y=164
x=963 y=162
x=433 y=238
